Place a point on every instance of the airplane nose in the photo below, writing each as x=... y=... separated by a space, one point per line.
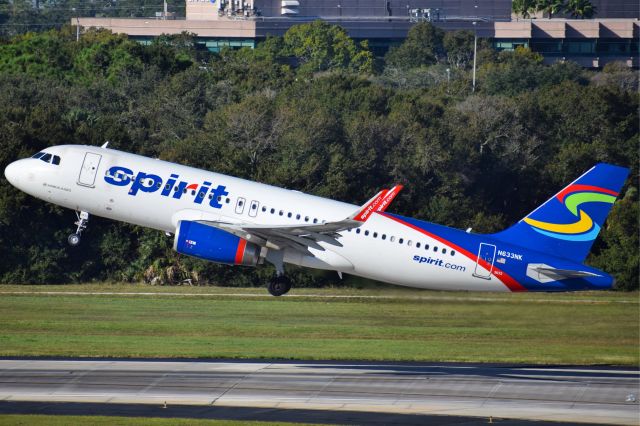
x=12 y=173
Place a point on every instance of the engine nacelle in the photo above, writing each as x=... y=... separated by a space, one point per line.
x=210 y=243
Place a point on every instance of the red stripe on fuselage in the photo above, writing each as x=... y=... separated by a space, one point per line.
x=575 y=188
x=505 y=278
x=242 y=244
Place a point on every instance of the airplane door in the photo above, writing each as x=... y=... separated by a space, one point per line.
x=486 y=253
x=89 y=169
x=253 y=210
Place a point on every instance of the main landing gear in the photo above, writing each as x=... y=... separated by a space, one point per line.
x=82 y=222
x=279 y=285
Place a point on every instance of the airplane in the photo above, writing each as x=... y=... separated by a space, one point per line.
x=233 y=221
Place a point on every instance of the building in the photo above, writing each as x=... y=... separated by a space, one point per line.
x=591 y=43
x=242 y=23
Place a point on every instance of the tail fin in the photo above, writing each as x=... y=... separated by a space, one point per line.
x=567 y=224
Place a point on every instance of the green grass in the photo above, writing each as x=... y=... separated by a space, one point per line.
x=577 y=328
x=35 y=420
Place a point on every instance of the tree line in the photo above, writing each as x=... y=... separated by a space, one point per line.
x=317 y=112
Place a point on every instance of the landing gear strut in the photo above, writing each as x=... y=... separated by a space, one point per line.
x=82 y=222
x=279 y=285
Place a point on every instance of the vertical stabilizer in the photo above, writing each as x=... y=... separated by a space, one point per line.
x=567 y=224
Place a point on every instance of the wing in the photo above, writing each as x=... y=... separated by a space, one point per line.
x=301 y=237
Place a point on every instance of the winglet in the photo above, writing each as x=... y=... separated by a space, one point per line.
x=369 y=207
x=388 y=198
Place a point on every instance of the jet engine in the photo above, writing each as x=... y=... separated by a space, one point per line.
x=213 y=244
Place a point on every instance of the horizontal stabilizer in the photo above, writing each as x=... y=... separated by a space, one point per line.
x=545 y=273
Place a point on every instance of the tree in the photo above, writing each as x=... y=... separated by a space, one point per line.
x=320 y=46
x=621 y=254
x=551 y=7
x=524 y=7
x=582 y=9
x=459 y=47
x=423 y=46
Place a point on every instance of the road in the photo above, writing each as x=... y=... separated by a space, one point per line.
x=332 y=392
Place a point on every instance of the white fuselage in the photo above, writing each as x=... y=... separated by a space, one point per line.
x=81 y=182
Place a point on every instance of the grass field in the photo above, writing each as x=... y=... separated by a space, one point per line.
x=344 y=324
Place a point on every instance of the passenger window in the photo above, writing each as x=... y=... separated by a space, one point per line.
x=426 y=246
x=273 y=211
x=358 y=231
x=315 y=220
x=384 y=236
x=289 y=215
x=392 y=239
x=298 y=216
x=417 y=245
x=375 y=235
x=200 y=194
x=453 y=253
x=409 y=243
x=56 y=160
x=444 y=251
x=210 y=195
x=264 y=209
x=228 y=200
x=281 y=213
x=401 y=240
x=306 y=218
x=435 y=248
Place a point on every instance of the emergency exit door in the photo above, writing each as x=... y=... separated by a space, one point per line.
x=484 y=263
x=89 y=169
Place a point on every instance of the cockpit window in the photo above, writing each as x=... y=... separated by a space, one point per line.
x=47 y=158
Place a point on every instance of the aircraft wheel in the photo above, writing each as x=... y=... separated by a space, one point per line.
x=279 y=285
x=74 y=240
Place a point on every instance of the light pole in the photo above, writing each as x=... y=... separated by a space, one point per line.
x=77 y=25
x=475 y=50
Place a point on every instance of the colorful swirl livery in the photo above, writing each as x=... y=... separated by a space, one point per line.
x=569 y=222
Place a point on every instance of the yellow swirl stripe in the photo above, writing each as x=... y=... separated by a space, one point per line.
x=583 y=225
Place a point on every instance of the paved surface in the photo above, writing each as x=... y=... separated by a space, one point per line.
x=357 y=393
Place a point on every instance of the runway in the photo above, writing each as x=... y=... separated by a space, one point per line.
x=347 y=393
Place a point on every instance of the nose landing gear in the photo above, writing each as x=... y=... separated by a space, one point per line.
x=82 y=222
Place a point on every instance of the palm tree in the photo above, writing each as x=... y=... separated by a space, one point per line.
x=524 y=7
x=551 y=7
x=581 y=9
